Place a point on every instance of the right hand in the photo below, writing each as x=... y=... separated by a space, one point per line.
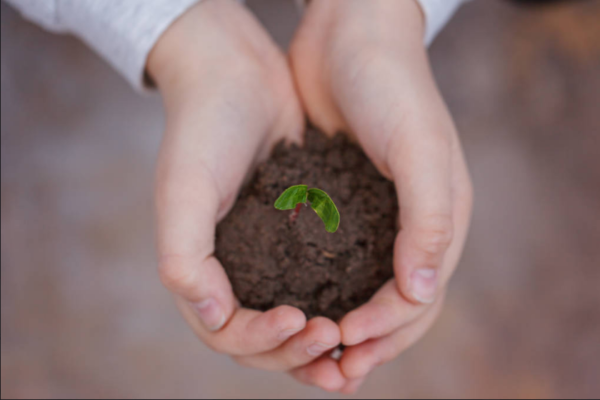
x=361 y=68
x=229 y=97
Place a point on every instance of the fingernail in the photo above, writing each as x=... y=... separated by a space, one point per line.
x=424 y=285
x=285 y=335
x=316 y=349
x=336 y=354
x=211 y=314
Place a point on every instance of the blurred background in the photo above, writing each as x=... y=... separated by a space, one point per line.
x=84 y=314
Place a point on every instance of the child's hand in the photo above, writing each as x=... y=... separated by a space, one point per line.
x=228 y=96
x=361 y=67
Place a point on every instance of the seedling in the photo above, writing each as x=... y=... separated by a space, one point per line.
x=295 y=196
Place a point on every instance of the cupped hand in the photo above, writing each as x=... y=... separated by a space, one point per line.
x=229 y=97
x=361 y=67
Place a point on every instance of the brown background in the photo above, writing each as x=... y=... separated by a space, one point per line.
x=83 y=313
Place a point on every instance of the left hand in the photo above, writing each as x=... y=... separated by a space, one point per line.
x=361 y=67
x=229 y=97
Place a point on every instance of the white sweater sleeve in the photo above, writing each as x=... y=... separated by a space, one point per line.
x=437 y=14
x=122 y=31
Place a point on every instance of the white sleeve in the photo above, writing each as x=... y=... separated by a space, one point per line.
x=122 y=31
x=437 y=14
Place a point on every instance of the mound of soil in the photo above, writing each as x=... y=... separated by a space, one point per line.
x=272 y=261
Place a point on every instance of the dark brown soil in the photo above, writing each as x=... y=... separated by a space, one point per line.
x=272 y=261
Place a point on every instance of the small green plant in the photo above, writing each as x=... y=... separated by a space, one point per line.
x=295 y=196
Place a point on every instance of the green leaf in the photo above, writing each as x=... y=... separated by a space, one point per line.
x=325 y=209
x=292 y=196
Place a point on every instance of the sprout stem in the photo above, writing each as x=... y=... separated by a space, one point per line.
x=295 y=213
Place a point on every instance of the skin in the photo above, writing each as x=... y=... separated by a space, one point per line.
x=229 y=97
x=361 y=67
x=230 y=94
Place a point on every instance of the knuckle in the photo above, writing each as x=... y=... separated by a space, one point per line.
x=218 y=347
x=285 y=317
x=243 y=361
x=435 y=235
x=323 y=329
x=464 y=197
x=328 y=385
x=288 y=362
x=175 y=273
x=467 y=193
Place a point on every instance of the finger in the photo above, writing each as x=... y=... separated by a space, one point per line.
x=324 y=373
x=352 y=386
x=386 y=312
x=462 y=192
x=186 y=226
x=420 y=163
x=319 y=336
x=358 y=361
x=248 y=331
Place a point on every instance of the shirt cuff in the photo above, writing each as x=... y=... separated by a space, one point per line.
x=122 y=32
x=437 y=14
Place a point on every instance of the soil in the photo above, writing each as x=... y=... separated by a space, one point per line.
x=272 y=261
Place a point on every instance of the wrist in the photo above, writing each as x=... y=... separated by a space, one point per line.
x=211 y=38
x=173 y=53
x=373 y=22
x=212 y=45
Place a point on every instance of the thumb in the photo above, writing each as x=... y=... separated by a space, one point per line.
x=420 y=162
x=187 y=216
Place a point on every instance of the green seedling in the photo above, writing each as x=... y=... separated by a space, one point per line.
x=295 y=196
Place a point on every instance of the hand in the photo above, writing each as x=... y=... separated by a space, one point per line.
x=361 y=67
x=228 y=97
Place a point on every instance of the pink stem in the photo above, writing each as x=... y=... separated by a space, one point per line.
x=295 y=213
